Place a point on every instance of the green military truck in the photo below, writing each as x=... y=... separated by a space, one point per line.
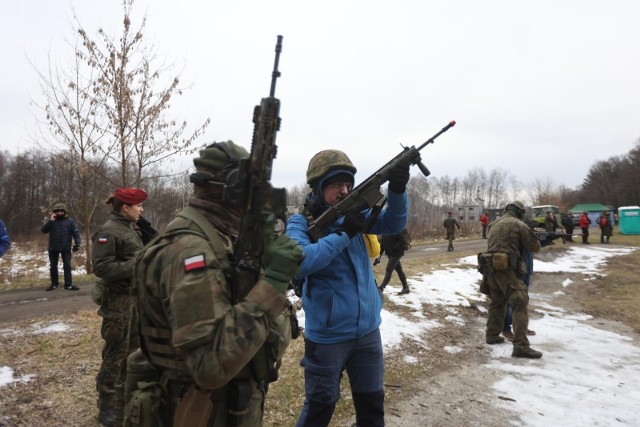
x=539 y=212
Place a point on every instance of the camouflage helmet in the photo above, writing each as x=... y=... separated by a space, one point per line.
x=59 y=207
x=517 y=207
x=327 y=161
x=220 y=158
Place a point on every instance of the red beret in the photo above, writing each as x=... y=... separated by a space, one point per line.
x=130 y=196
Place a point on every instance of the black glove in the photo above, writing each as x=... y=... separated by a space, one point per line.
x=146 y=230
x=398 y=178
x=354 y=223
x=75 y=248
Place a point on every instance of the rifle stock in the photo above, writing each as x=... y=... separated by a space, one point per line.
x=258 y=198
x=367 y=193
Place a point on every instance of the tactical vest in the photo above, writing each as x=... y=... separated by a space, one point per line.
x=155 y=341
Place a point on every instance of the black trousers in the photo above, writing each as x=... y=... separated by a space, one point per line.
x=66 y=266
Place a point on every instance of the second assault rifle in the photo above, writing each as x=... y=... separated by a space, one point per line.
x=367 y=194
x=253 y=191
x=547 y=237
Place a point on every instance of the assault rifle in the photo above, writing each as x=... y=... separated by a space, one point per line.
x=547 y=237
x=367 y=194
x=254 y=192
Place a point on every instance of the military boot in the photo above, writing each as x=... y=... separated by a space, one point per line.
x=527 y=353
x=495 y=340
x=106 y=417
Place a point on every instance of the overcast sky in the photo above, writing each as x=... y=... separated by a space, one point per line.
x=540 y=89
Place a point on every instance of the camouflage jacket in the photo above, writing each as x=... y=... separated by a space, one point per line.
x=184 y=299
x=115 y=245
x=510 y=235
x=450 y=224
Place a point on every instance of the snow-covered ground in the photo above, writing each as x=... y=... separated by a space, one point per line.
x=587 y=376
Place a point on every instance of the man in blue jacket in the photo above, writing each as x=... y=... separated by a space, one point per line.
x=62 y=230
x=4 y=239
x=340 y=298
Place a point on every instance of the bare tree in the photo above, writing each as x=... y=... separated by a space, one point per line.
x=75 y=132
x=134 y=100
x=496 y=195
x=107 y=116
x=540 y=191
x=474 y=186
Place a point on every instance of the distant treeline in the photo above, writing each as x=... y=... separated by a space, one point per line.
x=31 y=182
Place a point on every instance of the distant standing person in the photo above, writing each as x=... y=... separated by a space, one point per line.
x=450 y=223
x=394 y=245
x=503 y=269
x=62 y=231
x=606 y=228
x=4 y=239
x=115 y=245
x=550 y=222
x=567 y=222
x=484 y=219
x=584 y=226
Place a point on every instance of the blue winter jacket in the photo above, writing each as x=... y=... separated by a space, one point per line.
x=340 y=298
x=4 y=239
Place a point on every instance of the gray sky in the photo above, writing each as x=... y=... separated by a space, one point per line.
x=540 y=89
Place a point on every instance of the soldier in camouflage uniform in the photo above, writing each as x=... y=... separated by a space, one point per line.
x=211 y=355
x=450 y=224
x=115 y=245
x=504 y=270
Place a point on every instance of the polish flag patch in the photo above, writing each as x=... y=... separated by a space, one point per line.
x=194 y=263
x=102 y=240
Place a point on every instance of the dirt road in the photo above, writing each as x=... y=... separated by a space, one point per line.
x=22 y=304
x=445 y=388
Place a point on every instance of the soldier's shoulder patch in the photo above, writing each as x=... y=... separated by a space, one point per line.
x=195 y=262
x=102 y=240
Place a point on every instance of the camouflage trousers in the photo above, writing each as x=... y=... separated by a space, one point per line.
x=505 y=286
x=120 y=334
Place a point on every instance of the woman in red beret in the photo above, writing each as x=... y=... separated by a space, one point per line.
x=115 y=245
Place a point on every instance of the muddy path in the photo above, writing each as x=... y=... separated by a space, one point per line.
x=22 y=304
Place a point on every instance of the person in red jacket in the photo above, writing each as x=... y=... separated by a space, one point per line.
x=484 y=219
x=584 y=226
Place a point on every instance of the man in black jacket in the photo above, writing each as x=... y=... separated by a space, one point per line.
x=62 y=230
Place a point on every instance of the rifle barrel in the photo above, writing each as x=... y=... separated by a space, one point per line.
x=276 y=73
x=451 y=124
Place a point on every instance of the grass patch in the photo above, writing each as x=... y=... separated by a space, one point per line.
x=26 y=265
x=56 y=372
x=616 y=295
